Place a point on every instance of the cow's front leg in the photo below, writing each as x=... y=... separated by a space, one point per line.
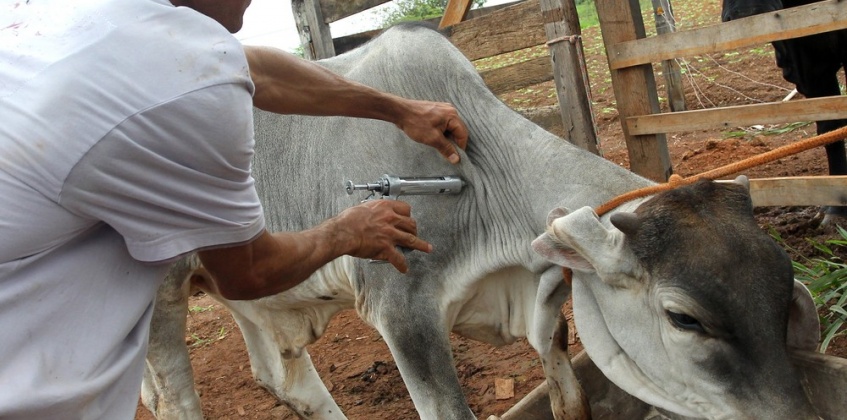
x=548 y=334
x=168 y=386
x=280 y=363
x=414 y=329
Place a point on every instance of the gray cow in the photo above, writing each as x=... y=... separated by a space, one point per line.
x=695 y=324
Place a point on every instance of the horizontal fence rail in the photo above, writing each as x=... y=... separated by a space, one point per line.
x=519 y=75
x=335 y=10
x=508 y=29
x=799 y=191
x=816 y=109
x=759 y=29
x=518 y=32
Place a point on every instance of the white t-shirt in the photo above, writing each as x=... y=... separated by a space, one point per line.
x=125 y=142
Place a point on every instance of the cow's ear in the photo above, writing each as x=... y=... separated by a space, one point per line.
x=557 y=253
x=555 y=214
x=584 y=244
x=554 y=250
x=804 y=329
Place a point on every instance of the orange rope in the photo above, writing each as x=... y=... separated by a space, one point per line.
x=678 y=181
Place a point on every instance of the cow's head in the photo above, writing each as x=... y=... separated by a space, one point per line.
x=737 y=9
x=687 y=304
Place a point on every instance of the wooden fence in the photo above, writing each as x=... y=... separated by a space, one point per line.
x=631 y=54
x=507 y=28
x=488 y=32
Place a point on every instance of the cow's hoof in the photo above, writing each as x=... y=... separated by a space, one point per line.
x=834 y=216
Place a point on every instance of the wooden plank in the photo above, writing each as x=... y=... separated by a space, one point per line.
x=534 y=406
x=508 y=29
x=335 y=10
x=635 y=89
x=561 y=24
x=518 y=76
x=828 y=190
x=755 y=30
x=666 y=24
x=348 y=42
x=455 y=12
x=608 y=402
x=815 y=109
x=315 y=36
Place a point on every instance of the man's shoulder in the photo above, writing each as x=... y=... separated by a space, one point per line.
x=180 y=43
x=140 y=40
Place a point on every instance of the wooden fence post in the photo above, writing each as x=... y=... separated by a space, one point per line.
x=335 y=10
x=455 y=12
x=314 y=31
x=635 y=89
x=666 y=23
x=561 y=25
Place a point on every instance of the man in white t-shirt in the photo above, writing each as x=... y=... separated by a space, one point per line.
x=125 y=142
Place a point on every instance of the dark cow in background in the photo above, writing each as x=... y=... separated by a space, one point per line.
x=811 y=63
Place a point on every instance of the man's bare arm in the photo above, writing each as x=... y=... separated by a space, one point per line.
x=273 y=263
x=286 y=84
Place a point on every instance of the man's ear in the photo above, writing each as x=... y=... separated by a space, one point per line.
x=804 y=328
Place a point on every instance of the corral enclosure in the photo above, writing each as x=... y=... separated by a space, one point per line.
x=631 y=56
x=352 y=359
x=489 y=32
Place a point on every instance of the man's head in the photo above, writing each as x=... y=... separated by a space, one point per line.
x=229 y=13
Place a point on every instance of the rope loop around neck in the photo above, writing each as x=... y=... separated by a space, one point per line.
x=677 y=181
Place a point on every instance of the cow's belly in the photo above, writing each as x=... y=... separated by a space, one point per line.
x=332 y=284
x=495 y=309
x=299 y=316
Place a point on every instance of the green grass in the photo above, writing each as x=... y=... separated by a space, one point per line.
x=826 y=278
x=587 y=14
x=198 y=341
x=767 y=131
x=198 y=309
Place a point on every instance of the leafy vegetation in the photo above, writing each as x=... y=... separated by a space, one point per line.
x=826 y=278
x=413 y=10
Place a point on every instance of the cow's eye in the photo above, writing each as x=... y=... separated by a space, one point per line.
x=685 y=322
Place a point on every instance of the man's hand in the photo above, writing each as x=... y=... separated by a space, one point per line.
x=273 y=263
x=376 y=228
x=435 y=124
x=286 y=84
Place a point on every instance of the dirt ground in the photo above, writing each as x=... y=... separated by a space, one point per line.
x=354 y=361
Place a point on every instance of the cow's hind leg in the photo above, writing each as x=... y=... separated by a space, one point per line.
x=285 y=370
x=168 y=386
x=548 y=334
